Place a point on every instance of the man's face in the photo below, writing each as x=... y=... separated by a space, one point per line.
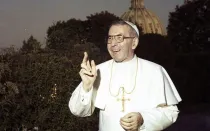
x=121 y=51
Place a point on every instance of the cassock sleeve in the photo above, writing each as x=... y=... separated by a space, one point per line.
x=159 y=118
x=80 y=102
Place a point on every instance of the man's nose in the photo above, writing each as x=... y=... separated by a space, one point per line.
x=114 y=42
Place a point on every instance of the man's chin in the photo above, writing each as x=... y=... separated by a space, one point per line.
x=117 y=60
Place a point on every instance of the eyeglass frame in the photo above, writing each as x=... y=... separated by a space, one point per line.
x=114 y=37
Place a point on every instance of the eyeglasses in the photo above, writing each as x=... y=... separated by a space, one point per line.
x=118 y=38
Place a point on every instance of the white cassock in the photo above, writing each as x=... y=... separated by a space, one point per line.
x=145 y=84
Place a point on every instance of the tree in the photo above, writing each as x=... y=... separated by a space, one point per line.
x=8 y=88
x=64 y=35
x=31 y=45
x=189 y=27
x=67 y=35
x=99 y=24
x=39 y=99
x=188 y=32
x=155 y=47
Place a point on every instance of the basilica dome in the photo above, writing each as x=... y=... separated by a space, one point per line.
x=144 y=18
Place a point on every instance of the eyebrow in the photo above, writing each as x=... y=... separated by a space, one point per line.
x=116 y=35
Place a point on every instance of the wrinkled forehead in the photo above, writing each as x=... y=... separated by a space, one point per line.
x=119 y=29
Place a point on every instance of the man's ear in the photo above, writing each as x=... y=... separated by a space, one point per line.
x=135 y=43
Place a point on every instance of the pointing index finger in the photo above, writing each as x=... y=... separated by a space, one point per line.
x=85 y=58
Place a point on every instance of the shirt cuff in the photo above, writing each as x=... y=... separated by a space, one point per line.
x=147 y=117
x=159 y=118
x=85 y=97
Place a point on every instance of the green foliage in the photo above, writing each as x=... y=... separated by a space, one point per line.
x=156 y=48
x=191 y=77
x=99 y=24
x=31 y=45
x=188 y=32
x=64 y=35
x=6 y=86
x=189 y=27
x=33 y=104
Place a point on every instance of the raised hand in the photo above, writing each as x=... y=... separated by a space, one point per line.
x=131 y=121
x=88 y=72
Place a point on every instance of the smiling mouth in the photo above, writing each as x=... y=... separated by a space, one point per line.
x=115 y=51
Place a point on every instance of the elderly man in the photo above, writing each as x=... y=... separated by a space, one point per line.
x=132 y=94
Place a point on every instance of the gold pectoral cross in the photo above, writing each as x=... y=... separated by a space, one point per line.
x=123 y=99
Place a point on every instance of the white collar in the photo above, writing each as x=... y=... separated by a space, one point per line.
x=126 y=63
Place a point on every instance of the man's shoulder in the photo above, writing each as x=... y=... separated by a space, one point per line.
x=104 y=64
x=150 y=69
x=147 y=63
x=143 y=63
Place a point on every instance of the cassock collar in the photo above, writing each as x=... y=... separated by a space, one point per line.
x=127 y=63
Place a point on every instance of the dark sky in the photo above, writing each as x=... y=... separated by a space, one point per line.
x=21 y=18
